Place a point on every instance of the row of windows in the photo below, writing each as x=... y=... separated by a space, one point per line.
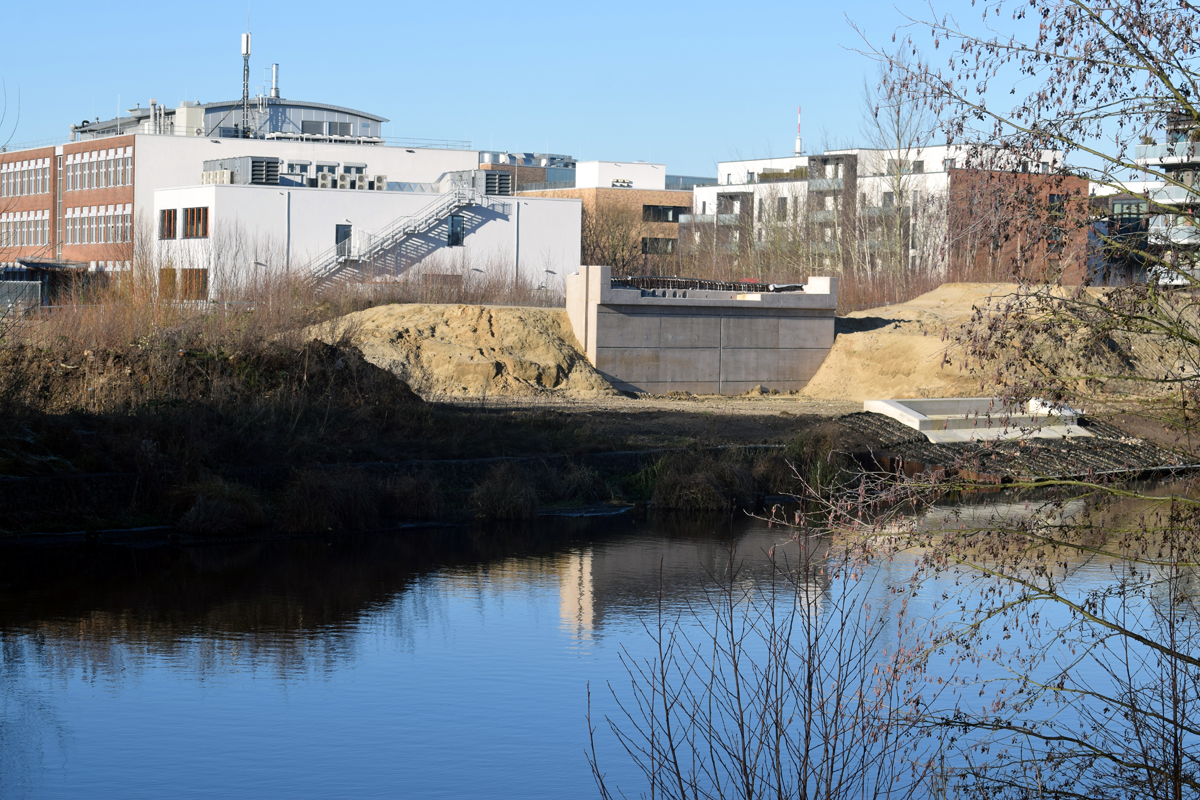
x=195 y=223
x=100 y=174
x=18 y=182
x=98 y=229
x=24 y=232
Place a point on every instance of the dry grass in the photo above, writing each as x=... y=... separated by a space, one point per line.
x=688 y=482
x=414 y=497
x=318 y=501
x=507 y=492
x=216 y=508
x=131 y=308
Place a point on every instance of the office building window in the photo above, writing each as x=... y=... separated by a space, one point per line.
x=662 y=213
x=166 y=223
x=781 y=207
x=193 y=284
x=195 y=223
x=456 y=231
x=128 y=231
x=129 y=170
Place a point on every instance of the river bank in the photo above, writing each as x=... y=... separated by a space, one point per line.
x=240 y=424
x=313 y=438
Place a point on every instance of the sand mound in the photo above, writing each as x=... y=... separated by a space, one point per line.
x=898 y=351
x=472 y=351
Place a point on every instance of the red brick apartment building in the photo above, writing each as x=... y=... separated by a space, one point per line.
x=68 y=203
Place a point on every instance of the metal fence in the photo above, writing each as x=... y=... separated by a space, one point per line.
x=17 y=299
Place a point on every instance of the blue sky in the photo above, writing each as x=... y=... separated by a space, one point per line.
x=684 y=84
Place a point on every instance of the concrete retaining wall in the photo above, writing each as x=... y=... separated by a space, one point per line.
x=705 y=342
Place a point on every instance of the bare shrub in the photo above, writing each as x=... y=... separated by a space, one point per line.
x=788 y=686
x=819 y=460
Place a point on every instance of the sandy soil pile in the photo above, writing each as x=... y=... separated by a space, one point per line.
x=898 y=351
x=473 y=351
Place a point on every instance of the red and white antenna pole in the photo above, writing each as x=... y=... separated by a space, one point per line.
x=799 y=142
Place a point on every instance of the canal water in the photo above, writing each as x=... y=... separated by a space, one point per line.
x=424 y=663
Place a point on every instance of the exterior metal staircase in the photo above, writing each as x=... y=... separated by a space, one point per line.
x=365 y=248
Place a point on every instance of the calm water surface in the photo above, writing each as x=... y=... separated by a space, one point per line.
x=421 y=664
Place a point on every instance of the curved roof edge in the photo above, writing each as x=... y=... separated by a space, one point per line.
x=283 y=101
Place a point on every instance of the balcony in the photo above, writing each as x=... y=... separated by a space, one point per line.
x=825 y=185
x=1178 y=153
x=709 y=219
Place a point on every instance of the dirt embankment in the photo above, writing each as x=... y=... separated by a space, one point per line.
x=899 y=351
x=473 y=351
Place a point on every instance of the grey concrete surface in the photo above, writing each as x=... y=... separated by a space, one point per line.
x=703 y=342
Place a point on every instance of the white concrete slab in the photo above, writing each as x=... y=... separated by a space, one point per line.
x=966 y=419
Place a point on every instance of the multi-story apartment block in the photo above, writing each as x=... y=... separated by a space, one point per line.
x=921 y=206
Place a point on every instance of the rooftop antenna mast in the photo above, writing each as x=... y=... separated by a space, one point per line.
x=799 y=141
x=246 y=84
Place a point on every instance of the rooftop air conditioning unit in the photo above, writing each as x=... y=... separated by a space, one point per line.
x=343 y=181
x=360 y=181
x=324 y=180
x=380 y=183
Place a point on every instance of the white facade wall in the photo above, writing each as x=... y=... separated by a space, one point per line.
x=731 y=173
x=168 y=161
x=612 y=174
x=255 y=223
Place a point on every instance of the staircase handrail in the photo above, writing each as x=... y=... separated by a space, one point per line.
x=460 y=194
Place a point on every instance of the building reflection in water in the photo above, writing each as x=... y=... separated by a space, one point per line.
x=631 y=577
